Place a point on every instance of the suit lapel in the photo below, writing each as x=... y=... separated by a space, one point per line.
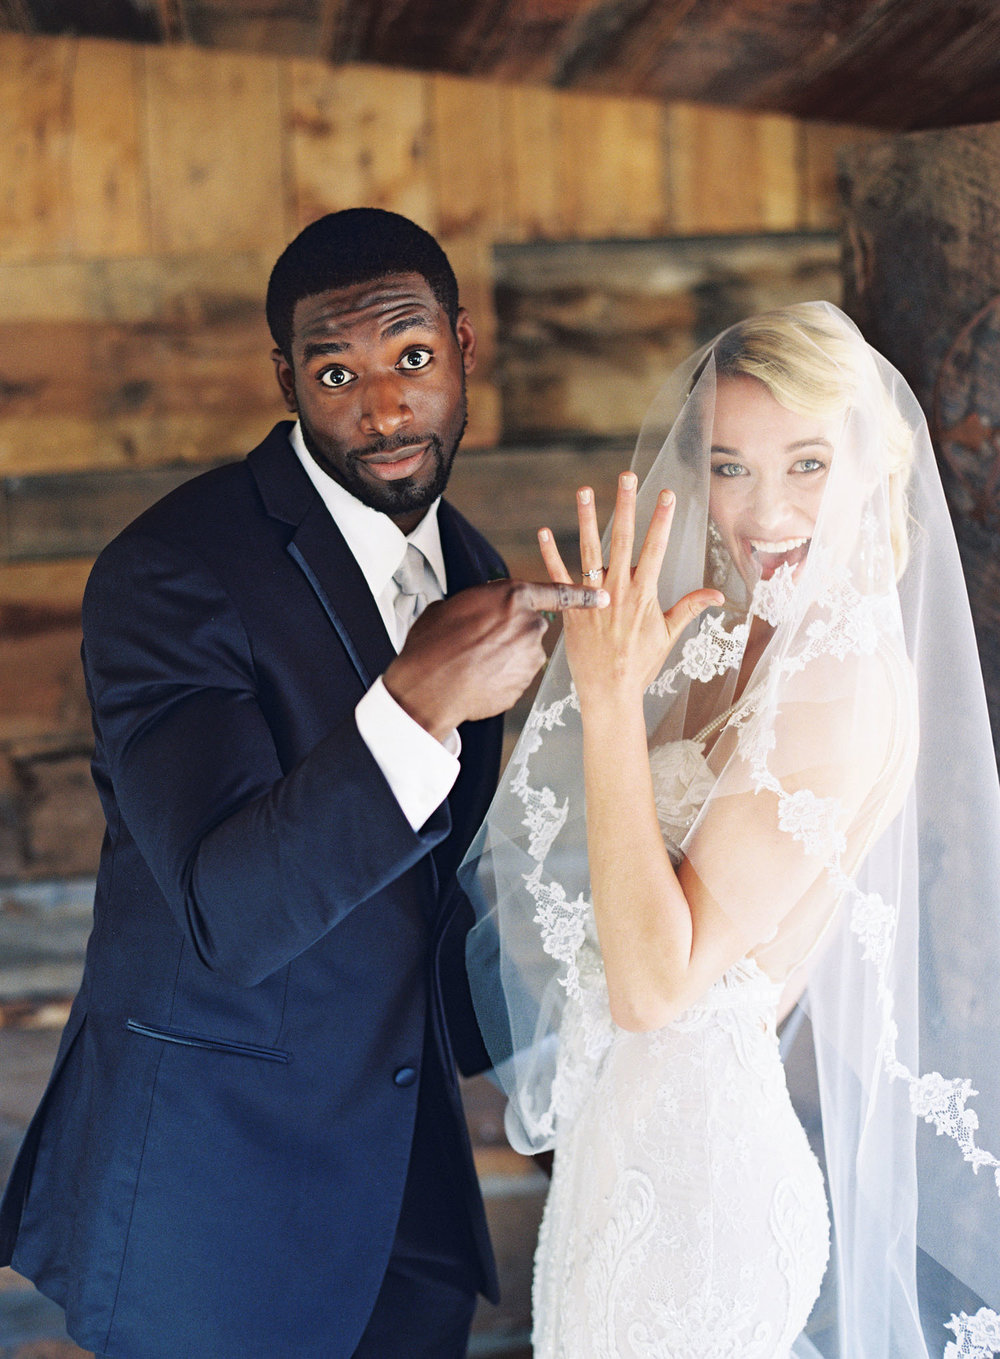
x=463 y=565
x=331 y=569
x=480 y=740
x=318 y=548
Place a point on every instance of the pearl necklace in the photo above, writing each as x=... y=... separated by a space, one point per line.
x=744 y=706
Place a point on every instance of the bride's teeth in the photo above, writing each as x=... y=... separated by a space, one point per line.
x=787 y=545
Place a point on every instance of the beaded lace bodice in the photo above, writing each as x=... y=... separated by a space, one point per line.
x=687 y=1217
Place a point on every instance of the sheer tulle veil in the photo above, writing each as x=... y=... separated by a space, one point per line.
x=850 y=824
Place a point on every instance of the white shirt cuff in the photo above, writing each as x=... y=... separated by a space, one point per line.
x=419 y=769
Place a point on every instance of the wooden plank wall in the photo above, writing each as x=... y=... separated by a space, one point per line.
x=144 y=194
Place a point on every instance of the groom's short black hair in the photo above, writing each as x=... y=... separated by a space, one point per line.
x=354 y=246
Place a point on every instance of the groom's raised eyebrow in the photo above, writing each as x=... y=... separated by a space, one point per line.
x=314 y=348
x=416 y=321
x=317 y=348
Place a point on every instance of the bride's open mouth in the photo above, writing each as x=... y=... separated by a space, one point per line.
x=770 y=556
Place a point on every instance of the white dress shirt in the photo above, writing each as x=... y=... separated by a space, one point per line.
x=418 y=768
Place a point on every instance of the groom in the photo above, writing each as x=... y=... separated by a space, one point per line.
x=252 y=1143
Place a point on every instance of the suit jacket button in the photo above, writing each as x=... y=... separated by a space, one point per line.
x=406 y=1075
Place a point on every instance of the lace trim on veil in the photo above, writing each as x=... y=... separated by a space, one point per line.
x=848 y=623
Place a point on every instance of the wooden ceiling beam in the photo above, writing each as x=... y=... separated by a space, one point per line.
x=887 y=63
x=173 y=24
x=129 y=20
x=16 y=16
x=620 y=41
x=903 y=64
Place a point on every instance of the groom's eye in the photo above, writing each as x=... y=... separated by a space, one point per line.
x=336 y=376
x=415 y=359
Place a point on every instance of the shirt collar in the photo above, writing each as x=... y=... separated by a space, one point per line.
x=377 y=544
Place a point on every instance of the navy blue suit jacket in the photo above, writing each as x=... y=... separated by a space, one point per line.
x=217 y=1167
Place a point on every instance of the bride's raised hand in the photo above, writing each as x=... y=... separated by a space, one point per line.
x=621 y=649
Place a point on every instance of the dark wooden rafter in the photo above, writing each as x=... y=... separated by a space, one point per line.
x=173 y=24
x=271 y=27
x=893 y=64
x=943 y=60
x=130 y=20
x=16 y=16
x=638 y=34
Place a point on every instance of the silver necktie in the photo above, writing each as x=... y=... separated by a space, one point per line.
x=412 y=578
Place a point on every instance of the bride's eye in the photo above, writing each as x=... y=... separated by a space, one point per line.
x=727 y=469
x=810 y=465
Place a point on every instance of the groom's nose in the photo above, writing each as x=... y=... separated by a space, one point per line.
x=384 y=408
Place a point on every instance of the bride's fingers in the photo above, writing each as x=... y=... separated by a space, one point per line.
x=551 y=557
x=647 y=568
x=590 y=537
x=688 y=608
x=619 y=571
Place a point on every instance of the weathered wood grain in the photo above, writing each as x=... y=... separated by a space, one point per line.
x=267 y=26
x=199 y=288
x=359 y=137
x=81 y=393
x=214 y=150
x=34 y=149
x=611 y=167
x=467 y=162
x=923 y=283
x=887 y=63
x=51 y=585
x=106 y=181
x=73 y=515
x=512 y=493
x=124 y=20
x=70 y=174
x=604 y=39
x=587 y=332
x=56 y=444
x=471 y=257
x=531 y=128
x=43 y=704
x=63 y=816
x=820 y=145
x=732 y=171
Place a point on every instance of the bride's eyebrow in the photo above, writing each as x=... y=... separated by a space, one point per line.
x=818 y=442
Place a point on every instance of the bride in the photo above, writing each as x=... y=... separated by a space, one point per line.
x=737 y=804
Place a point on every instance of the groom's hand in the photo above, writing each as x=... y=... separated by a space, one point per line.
x=473 y=655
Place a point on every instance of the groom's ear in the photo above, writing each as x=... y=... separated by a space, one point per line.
x=466 y=337
x=285 y=374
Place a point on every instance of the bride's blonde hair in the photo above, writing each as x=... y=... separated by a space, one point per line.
x=814 y=364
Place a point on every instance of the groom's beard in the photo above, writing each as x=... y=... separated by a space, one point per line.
x=408 y=494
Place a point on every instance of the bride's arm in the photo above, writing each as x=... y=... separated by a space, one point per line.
x=665 y=938
x=659 y=953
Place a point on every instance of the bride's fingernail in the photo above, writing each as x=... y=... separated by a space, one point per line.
x=544 y=535
x=666 y=498
x=628 y=481
x=584 y=495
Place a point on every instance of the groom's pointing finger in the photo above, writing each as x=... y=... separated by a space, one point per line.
x=557 y=598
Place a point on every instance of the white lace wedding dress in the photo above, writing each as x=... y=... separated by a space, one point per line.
x=687 y=1216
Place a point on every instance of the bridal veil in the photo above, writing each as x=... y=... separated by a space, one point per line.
x=850 y=825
